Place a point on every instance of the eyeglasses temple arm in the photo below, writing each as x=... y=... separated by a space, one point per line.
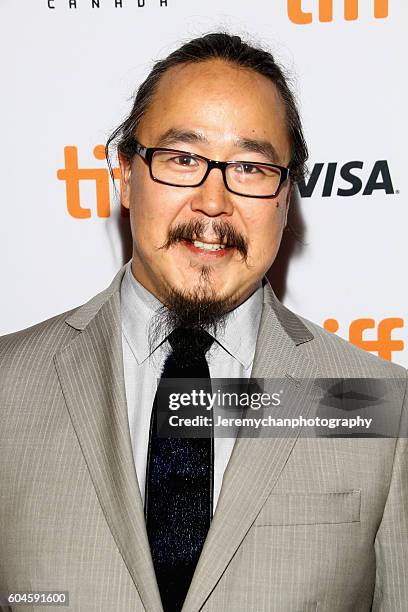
x=140 y=150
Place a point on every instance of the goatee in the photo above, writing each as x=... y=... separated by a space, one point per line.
x=200 y=307
x=193 y=310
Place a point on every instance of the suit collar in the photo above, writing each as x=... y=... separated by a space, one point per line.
x=291 y=324
x=289 y=321
x=82 y=316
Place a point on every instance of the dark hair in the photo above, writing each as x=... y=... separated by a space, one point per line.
x=230 y=48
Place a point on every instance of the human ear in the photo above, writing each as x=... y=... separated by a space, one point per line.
x=125 y=170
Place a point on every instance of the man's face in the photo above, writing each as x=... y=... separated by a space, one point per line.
x=220 y=111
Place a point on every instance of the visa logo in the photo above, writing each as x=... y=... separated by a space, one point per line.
x=333 y=179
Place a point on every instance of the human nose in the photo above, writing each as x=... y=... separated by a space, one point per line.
x=212 y=198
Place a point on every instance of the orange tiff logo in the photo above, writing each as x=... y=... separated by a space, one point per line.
x=72 y=174
x=298 y=15
x=384 y=345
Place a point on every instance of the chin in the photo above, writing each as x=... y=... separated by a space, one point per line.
x=205 y=285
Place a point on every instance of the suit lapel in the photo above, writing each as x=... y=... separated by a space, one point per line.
x=90 y=371
x=256 y=464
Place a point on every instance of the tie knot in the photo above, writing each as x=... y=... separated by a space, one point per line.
x=190 y=343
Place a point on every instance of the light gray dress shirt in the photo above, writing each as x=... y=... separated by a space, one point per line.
x=231 y=356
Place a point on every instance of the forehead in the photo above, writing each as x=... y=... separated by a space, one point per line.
x=221 y=99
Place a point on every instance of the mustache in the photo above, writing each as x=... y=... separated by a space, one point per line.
x=195 y=230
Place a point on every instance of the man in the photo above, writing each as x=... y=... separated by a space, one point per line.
x=93 y=500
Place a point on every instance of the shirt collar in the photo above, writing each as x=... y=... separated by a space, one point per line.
x=238 y=336
x=138 y=306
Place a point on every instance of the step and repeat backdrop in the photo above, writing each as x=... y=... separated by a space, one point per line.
x=70 y=68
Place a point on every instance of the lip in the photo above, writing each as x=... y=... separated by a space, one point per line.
x=207 y=254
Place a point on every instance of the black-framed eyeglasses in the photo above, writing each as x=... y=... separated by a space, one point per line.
x=184 y=169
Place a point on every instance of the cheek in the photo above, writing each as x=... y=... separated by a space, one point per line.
x=153 y=208
x=264 y=227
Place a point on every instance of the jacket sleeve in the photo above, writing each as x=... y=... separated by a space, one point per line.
x=391 y=542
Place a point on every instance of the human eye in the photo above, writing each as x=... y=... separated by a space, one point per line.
x=184 y=160
x=249 y=169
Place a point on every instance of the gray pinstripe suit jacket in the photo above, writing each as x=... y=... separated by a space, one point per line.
x=301 y=524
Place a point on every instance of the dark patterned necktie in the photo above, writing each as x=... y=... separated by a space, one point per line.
x=179 y=478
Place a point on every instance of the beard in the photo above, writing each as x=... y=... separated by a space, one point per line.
x=199 y=307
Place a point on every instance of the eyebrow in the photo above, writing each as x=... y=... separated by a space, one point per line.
x=177 y=135
x=264 y=147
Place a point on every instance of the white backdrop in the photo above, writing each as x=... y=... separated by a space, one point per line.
x=68 y=76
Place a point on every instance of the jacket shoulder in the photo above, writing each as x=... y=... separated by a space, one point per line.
x=333 y=351
x=38 y=341
x=44 y=339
